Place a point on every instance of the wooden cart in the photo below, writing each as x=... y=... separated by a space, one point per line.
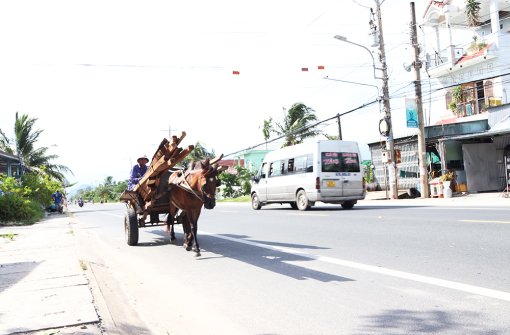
x=151 y=196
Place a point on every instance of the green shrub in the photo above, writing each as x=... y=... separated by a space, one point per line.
x=23 y=201
x=17 y=209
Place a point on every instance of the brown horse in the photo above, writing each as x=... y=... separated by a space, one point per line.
x=189 y=190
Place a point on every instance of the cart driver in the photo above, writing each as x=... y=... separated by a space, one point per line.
x=138 y=171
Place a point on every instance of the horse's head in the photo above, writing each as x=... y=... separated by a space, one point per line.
x=209 y=172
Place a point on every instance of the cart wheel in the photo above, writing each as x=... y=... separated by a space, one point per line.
x=131 y=227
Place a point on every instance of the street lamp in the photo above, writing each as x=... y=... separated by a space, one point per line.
x=390 y=149
x=344 y=39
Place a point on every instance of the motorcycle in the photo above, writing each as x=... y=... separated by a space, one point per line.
x=55 y=208
x=80 y=203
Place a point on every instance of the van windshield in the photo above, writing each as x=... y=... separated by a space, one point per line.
x=340 y=162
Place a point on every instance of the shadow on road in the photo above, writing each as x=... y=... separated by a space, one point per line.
x=271 y=260
x=402 y=321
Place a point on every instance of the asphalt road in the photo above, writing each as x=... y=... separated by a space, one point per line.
x=376 y=269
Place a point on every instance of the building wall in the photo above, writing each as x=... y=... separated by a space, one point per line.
x=253 y=159
x=407 y=171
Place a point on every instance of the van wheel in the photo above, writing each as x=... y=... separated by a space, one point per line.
x=348 y=205
x=293 y=205
x=255 y=202
x=302 y=202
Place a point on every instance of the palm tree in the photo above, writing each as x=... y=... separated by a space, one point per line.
x=267 y=128
x=473 y=12
x=297 y=125
x=23 y=145
x=197 y=154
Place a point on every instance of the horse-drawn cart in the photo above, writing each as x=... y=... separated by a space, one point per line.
x=166 y=190
x=150 y=197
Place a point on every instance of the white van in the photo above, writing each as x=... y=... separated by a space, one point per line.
x=329 y=171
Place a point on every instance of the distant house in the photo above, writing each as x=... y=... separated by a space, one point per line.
x=9 y=164
x=250 y=159
x=231 y=162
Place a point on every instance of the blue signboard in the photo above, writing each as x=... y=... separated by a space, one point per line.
x=411 y=113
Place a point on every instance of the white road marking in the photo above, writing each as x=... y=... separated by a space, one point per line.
x=380 y=270
x=485 y=221
x=307 y=214
x=111 y=214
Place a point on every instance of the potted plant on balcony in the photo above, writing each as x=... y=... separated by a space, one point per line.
x=456 y=101
x=476 y=46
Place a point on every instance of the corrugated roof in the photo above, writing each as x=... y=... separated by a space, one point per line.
x=4 y=154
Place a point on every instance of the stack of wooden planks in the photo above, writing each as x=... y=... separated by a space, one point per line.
x=166 y=157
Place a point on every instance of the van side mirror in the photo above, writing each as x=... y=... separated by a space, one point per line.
x=256 y=179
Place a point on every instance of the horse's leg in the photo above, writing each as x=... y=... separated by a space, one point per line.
x=170 y=224
x=172 y=234
x=194 y=229
x=186 y=227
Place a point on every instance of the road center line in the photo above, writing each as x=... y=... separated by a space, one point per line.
x=380 y=270
x=307 y=214
x=485 y=221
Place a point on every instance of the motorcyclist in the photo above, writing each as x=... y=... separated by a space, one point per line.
x=57 y=200
x=80 y=202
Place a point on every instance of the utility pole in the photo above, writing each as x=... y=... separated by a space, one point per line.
x=339 y=127
x=169 y=131
x=390 y=148
x=422 y=153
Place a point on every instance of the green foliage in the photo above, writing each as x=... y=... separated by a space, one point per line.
x=267 y=129
x=109 y=191
x=457 y=94
x=41 y=186
x=16 y=209
x=199 y=153
x=24 y=200
x=369 y=171
x=244 y=198
x=296 y=125
x=236 y=182
x=453 y=106
x=473 y=12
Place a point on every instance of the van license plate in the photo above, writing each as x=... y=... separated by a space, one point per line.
x=331 y=183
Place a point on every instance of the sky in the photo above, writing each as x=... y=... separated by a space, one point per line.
x=108 y=80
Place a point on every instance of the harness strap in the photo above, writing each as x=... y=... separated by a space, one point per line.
x=187 y=187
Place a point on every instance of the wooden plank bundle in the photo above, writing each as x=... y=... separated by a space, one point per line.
x=167 y=156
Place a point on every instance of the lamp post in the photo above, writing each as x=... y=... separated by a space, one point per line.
x=385 y=124
x=344 y=39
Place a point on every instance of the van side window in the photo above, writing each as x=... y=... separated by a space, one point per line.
x=303 y=164
x=309 y=163
x=300 y=164
x=290 y=165
x=263 y=170
x=276 y=168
